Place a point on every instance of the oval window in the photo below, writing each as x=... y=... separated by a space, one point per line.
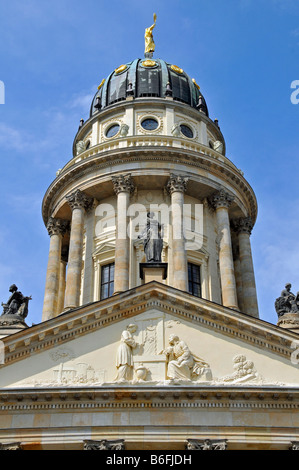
x=112 y=130
x=150 y=124
x=186 y=131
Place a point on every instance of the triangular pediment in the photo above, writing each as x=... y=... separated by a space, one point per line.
x=104 y=247
x=83 y=346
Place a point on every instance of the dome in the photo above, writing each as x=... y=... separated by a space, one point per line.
x=148 y=78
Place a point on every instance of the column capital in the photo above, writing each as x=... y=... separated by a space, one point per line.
x=11 y=446
x=207 y=444
x=57 y=226
x=104 y=444
x=243 y=225
x=221 y=198
x=177 y=183
x=79 y=200
x=123 y=183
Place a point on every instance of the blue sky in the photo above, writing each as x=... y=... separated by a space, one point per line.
x=243 y=54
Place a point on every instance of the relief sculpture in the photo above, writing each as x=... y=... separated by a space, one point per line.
x=244 y=371
x=182 y=364
x=124 y=359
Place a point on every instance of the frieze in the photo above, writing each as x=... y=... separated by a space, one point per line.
x=149 y=398
x=199 y=160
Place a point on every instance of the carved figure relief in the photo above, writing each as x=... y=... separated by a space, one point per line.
x=244 y=371
x=124 y=359
x=182 y=364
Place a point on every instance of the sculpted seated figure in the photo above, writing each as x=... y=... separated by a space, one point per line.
x=17 y=303
x=287 y=302
x=182 y=364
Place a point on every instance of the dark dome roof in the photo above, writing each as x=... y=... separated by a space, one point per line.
x=148 y=78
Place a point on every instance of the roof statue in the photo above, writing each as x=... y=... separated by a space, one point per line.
x=16 y=308
x=148 y=36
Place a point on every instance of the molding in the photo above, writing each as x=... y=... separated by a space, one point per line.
x=100 y=314
x=171 y=155
x=105 y=398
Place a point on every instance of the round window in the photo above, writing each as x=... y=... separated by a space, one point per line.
x=112 y=130
x=150 y=124
x=186 y=131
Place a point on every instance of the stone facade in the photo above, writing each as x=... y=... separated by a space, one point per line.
x=171 y=355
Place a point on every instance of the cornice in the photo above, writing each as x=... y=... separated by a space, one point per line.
x=133 y=155
x=148 y=398
x=91 y=317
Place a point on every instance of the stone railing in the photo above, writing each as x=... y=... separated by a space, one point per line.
x=130 y=142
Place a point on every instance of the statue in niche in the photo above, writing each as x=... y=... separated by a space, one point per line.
x=182 y=364
x=152 y=239
x=287 y=302
x=124 y=358
x=17 y=304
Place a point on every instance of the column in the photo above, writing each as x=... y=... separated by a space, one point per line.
x=79 y=203
x=244 y=227
x=176 y=187
x=56 y=228
x=89 y=249
x=62 y=279
x=123 y=187
x=238 y=276
x=221 y=202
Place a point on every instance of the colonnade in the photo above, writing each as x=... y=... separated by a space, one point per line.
x=63 y=292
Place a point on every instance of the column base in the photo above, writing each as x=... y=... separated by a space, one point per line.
x=153 y=272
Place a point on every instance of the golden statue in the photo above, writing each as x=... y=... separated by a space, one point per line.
x=149 y=40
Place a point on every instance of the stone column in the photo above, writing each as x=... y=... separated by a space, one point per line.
x=244 y=227
x=238 y=277
x=123 y=187
x=176 y=187
x=56 y=228
x=79 y=203
x=89 y=249
x=62 y=280
x=221 y=202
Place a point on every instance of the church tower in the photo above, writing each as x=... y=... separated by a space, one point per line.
x=150 y=335
x=149 y=146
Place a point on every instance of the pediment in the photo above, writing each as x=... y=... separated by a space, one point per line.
x=103 y=247
x=83 y=346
